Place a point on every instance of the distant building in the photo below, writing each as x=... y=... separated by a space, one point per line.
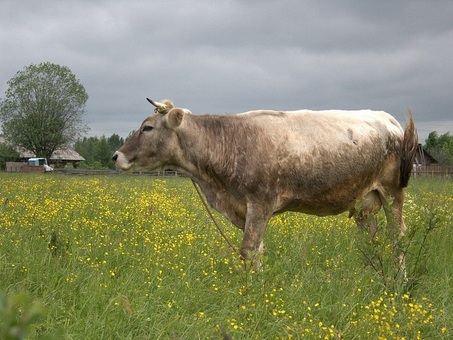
x=59 y=158
x=423 y=157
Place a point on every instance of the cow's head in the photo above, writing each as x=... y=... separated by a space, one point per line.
x=155 y=144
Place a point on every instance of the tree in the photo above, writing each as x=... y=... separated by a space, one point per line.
x=115 y=142
x=432 y=140
x=7 y=154
x=441 y=147
x=43 y=108
x=103 y=153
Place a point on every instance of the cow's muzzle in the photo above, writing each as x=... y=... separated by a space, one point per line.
x=121 y=161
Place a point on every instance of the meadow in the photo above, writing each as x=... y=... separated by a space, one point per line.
x=128 y=257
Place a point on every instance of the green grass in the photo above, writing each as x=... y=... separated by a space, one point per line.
x=138 y=258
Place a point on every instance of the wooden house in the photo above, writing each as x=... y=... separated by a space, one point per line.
x=423 y=157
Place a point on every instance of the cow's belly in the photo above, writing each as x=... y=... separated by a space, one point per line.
x=317 y=207
x=328 y=208
x=323 y=201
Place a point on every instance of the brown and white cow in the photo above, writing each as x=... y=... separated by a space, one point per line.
x=256 y=164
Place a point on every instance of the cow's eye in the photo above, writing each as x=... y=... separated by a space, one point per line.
x=147 y=128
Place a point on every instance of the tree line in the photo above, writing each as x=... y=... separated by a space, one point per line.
x=98 y=151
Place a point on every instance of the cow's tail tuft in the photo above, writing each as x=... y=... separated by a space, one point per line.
x=408 y=151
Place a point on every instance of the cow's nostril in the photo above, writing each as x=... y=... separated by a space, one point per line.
x=115 y=157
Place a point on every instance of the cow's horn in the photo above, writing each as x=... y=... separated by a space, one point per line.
x=158 y=105
x=163 y=107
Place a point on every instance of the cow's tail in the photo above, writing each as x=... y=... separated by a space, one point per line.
x=408 y=151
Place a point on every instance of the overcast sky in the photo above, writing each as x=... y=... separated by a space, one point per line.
x=233 y=56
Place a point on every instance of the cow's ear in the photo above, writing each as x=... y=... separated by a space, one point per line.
x=174 y=118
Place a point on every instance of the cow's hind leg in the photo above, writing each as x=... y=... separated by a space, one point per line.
x=400 y=232
x=396 y=227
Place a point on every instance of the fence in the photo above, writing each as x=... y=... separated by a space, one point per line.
x=14 y=166
x=433 y=171
x=23 y=167
x=165 y=173
x=427 y=171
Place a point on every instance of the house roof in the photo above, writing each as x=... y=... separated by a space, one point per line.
x=67 y=154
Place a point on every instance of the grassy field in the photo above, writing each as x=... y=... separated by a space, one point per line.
x=138 y=258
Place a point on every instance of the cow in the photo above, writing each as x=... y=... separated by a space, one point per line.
x=254 y=165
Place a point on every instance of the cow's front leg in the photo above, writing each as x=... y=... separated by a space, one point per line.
x=252 y=247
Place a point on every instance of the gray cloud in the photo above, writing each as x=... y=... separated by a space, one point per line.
x=233 y=56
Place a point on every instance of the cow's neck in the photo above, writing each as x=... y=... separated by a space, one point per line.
x=211 y=147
